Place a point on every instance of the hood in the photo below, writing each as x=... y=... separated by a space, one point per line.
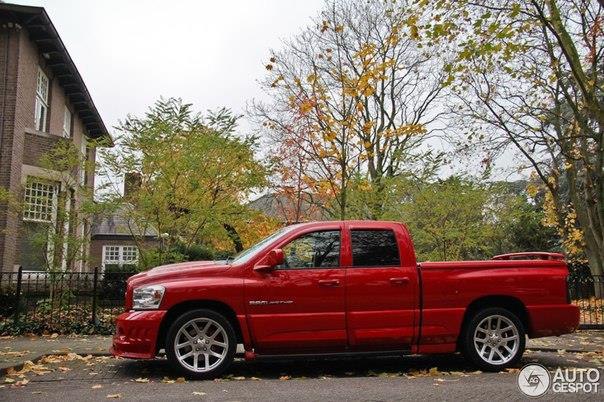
x=190 y=269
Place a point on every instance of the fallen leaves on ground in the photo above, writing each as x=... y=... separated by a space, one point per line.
x=20 y=353
x=168 y=380
x=28 y=367
x=21 y=383
x=96 y=386
x=114 y=396
x=143 y=380
x=198 y=393
x=285 y=378
x=434 y=371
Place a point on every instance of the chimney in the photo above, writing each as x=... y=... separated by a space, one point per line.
x=132 y=182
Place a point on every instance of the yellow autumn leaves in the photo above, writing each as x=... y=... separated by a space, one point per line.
x=567 y=226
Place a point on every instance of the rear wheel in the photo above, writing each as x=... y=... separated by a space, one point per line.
x=201 y=344
x=494 y=339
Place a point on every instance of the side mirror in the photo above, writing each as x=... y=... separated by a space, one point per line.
x=270 y=261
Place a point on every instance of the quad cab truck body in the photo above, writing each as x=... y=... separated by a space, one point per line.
x=343 y=287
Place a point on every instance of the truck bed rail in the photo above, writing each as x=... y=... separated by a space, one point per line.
x=536 y=255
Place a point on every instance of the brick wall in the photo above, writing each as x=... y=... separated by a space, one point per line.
x=11 y=139
x=37 y=146
x=20 y=143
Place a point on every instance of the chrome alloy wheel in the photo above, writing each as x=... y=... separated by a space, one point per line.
x=201 y=345
x=496 y=339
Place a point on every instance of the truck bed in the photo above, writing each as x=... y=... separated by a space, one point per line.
x=535 y=281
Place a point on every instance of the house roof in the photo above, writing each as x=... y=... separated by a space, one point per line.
x=281 y=207
x=43 y=33
x=118 y=223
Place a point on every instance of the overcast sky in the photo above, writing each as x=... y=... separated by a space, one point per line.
x=210 y=53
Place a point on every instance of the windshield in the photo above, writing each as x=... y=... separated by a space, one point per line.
x=246 y=255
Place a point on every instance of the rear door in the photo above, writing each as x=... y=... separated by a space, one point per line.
x=299 y=307
x=381 y=297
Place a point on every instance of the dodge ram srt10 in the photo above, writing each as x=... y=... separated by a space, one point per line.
x=342 y=287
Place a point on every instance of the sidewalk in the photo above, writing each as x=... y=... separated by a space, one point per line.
x=580 y=341
x=16 y=350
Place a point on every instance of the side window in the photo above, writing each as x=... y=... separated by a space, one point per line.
x=41 y=105
x=313 y=250
x=374 y=248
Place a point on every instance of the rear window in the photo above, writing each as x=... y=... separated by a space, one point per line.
x=374 y=248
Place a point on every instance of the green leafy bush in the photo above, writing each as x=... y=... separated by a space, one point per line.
x=70 y=320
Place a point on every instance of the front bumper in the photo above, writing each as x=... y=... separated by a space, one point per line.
x=136 y=334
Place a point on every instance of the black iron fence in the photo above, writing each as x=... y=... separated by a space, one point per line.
x=79 y=302
x=587 y=291
x=87 y=302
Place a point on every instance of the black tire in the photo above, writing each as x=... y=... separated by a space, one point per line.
x=507 y=359
x=207 y=315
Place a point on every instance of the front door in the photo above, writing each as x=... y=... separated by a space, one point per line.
x=299 y=306
x=381 y=290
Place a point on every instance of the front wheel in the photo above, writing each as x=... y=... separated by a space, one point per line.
x=201 y=344
x=494 y=339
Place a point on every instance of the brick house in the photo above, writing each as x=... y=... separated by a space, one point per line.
x=116 y=240
x=43 y=100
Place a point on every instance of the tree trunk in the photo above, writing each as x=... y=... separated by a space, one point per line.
x=234 y=236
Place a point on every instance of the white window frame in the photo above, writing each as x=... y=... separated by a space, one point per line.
x=84 y=152
x=119 y=250
x=67 y=116
x=40 y=200
x=41 y=105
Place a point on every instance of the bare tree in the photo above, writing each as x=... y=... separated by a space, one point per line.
x=355 y=94
x=530 y=75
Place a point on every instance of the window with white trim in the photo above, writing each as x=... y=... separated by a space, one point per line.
x=120 y=255
x=41 y=107
x=67 y=123
x=40 y=200
x=84 y=152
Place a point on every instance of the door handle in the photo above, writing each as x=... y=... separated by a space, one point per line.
x=400 y=281
x=329 y=283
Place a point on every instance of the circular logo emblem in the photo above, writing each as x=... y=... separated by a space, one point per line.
x=534 y=380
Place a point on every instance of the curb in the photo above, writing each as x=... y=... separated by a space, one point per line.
x=546 y=349
x=19 y=366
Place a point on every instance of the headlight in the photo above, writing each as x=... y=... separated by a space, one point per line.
x=147 y=297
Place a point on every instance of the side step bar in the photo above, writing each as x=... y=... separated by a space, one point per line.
x=248 y=355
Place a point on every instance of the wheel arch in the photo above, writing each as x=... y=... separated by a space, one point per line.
x=510 y=303
x=178 y=309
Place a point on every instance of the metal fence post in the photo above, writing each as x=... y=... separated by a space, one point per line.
x=18 y=295
x=94 y=291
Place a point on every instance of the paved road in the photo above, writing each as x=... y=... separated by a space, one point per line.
x=371 y=379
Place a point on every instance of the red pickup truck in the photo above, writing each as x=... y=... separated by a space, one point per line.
x=342 y=287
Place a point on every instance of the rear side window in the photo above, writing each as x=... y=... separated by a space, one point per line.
x=374 y=248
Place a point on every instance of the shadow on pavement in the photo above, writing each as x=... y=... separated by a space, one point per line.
x=341 y=367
